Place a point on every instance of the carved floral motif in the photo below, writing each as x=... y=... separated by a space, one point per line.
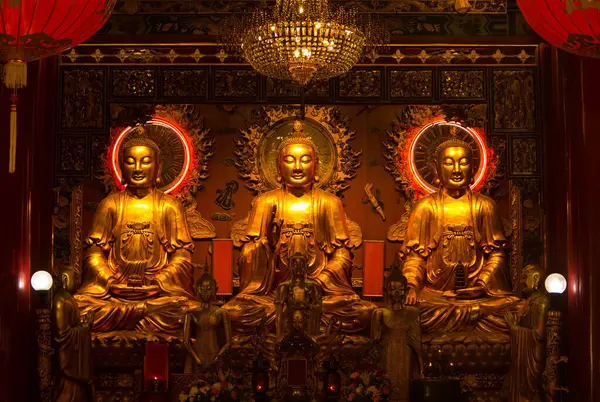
x=411 y=83
x=184 y=83
x=133 y=83
x=514 y=100
x=236 y=83
x=83 y=98
x=362 y=83
x=524 y=156
x=467 y=84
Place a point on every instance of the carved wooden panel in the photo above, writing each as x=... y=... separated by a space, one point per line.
x=83 y=98
x=514 y=99
x=133 y=82
x=185 y=83
x=72 y=155
x=361 y=83
x=524 y=156
x=407 y=84
x=279 y=89
x=462 y=84
x=236 y=84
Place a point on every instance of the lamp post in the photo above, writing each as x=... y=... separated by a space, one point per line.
x=555 y=284
x=41 y=282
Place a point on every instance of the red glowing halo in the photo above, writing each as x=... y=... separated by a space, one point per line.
x=187 y=154
x=483 y=166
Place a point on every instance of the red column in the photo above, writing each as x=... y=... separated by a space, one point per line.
x=571 y=90
x=26 y=224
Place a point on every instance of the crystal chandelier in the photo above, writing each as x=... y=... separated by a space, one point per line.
x=303 y=40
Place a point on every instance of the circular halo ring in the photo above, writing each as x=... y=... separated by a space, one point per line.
x=480 y=175
x=187 y=163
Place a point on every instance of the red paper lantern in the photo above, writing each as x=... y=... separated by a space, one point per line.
x=571 y=25
x=32 y=29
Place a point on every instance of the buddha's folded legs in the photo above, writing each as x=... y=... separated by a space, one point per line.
x=157 y=315
x=443 y=314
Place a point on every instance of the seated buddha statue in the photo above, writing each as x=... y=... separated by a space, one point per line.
x=299 y=293
x=453 y=252
x=137 y=270
x=296 y=218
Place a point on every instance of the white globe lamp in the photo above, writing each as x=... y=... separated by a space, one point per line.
x=555 y=284
x=41 y=281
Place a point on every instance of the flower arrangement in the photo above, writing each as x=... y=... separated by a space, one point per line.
x=369 y=386
x=219 y=391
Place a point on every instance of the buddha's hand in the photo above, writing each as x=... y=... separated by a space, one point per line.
x=274 y=228
x=470 y=293
x=511 y=321
x=87 y=320
x=411 y=297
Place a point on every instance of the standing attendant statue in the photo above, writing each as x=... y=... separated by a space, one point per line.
x=528 y=338
x=72 y=336
x=205 y=320
x=397 y=329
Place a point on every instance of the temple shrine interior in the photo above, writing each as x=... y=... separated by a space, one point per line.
x=299 y=200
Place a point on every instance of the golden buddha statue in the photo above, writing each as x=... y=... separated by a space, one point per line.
x=528 y=338
x=205 y=320
x=296 y=218
x=299 y=293
x=72 y=336
x=453 y=252
x=398 y=330
x=137 y=270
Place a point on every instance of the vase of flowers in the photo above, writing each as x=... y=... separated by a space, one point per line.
x=204 y=391
x=368 y=386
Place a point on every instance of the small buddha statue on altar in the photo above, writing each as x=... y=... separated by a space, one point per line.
x=528 y=338
x=299 y=293
x=297 y=218
x=72 y=336
x=204 y=321
x=397 y=328
x=137 y=270
x=453 y=252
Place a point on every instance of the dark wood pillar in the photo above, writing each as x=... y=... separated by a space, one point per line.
x=571 y=91
x=26 y=208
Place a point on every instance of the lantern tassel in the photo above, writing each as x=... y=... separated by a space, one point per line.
x=12 y=158
x=15 y=74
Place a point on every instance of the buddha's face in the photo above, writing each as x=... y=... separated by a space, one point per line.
x=205 y=290
x=530 y=282
x=69 y=281
x=140 y=167
x=454 y=168
x=298 y=265
x=396 y=291
x=297 y=165
x=298 y=320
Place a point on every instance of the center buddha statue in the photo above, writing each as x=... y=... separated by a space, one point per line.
x=296 y=218
x=137 y=270
x=453 y=252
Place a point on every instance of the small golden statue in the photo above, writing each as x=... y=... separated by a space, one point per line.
x=137 y=270
x=528 y=338
x=72 y=336
x=398 y=330
x=299 y=293
x=205 y=320
x=453 y=252
x=296 y=218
